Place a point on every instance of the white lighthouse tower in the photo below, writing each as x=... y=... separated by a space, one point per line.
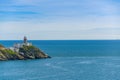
x=25 y=40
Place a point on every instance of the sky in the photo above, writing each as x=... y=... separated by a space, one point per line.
x=59 y=19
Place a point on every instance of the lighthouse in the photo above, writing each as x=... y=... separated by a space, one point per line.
x=25 y=42
x=25 y=39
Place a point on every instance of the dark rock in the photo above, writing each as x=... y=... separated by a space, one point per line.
x=25 y=52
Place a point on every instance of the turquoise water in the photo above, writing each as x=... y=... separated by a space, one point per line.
x=65 y=48
x=71 y=60
x=61 y=68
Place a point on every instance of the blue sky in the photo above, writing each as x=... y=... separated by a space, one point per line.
x=59 y=19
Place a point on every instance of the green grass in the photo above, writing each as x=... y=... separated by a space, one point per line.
x=8 y=51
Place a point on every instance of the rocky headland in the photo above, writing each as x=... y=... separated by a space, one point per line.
x=21 y=52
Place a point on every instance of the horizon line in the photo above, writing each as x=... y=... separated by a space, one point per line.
x=55 y=39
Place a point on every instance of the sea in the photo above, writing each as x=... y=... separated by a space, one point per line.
x=71 y=60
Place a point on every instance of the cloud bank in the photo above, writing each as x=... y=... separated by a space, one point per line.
x=61 y=19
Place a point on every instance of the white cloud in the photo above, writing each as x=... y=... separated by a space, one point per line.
x=64 y=28
x=62 y=20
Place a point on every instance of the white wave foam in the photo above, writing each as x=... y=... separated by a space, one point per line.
x=57 y=67
x=85 y=62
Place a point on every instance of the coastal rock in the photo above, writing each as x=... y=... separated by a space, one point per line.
x=25 y=52
x=32 y=52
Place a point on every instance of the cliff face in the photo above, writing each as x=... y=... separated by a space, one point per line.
x=25 y=52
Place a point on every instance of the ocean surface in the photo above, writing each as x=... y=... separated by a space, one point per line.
x=71 y=60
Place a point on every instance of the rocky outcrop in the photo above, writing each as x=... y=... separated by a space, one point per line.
x=25 y=52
